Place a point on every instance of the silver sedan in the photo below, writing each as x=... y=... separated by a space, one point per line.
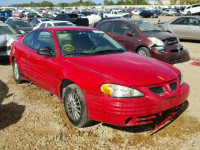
x=185 y=27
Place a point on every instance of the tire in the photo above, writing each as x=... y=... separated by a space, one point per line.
x=75 y=106
x=189 y=13
x=16 y=72
x=144 y=51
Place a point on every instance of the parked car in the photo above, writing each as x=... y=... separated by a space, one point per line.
x=96 y=78
x=20 y=26
x=185 y=27
x=148 y=14
x=192 y=10
x=36 y=21
x=169 y=12
x=53 y=23
x=73 y=18
x=145 y=39
x=7 y=36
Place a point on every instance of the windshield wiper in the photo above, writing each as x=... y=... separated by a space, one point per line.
x=109 y=51
x=77 y=54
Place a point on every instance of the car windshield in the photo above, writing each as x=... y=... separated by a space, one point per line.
x=86 y=42
x=63 y=24
x=19 y=24
x=6 y=30
x=144 y=26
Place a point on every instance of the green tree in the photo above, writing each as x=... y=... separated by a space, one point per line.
x=173 y=2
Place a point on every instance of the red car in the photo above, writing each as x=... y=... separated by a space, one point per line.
x=145 y=39
x=95 y=77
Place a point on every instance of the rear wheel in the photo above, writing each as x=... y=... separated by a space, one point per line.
x=16 y=72
x=144 y=51
x=75 y=106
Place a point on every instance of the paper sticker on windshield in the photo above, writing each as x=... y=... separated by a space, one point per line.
x=68 y=47
x=97 y=31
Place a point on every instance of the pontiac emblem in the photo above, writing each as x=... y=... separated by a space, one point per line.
x=161 y=78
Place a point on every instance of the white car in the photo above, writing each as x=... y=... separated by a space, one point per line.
x=53 y=23
x=193 y=9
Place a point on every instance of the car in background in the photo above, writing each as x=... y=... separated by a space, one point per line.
x=7 y=36
x=185 y=27
x=145 y=39
x=192 y=10
x=169 y=12
x=53 y=23
x=96 y=78
x=20 y=26
x=36 y=21
x=148 y=14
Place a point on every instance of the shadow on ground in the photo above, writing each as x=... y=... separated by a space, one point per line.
x=4 y=61
x=150 y=127
x=9 y=113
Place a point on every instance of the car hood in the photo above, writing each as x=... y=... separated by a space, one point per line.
x=160 y=35
x=7 y=39
x=127 y=68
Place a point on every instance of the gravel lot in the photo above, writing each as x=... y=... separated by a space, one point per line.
x=29 y=119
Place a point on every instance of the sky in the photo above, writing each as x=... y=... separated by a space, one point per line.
x=10 y=2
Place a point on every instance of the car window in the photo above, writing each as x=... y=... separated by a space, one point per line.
x=43 y=25
x=121 y=28
x=193 y=21
x=105 y=27
x=49 y=25
x=28 y=40
x=180 y=21
x=43 y=39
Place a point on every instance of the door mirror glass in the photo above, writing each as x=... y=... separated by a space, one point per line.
x=46 y=51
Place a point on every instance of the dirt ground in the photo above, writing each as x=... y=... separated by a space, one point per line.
x=29 y=119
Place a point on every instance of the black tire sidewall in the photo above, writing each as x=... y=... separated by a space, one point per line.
x=83 y=120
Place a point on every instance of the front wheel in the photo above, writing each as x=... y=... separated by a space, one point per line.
x=75 y=106
x=16 y=72
x=144 y=51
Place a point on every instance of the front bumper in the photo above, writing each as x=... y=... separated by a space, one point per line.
x=134 y=111
x=172 y=54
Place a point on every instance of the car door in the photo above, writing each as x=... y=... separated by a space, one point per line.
x=179 y=27
x=44 y=69
x=119 y=31
x=193 y=28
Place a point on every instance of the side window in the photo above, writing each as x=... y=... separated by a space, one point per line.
x=43 y=38
x=105 y=27
x=49 y=25
x=42 y=25
x=121 y=28
x=180 y=21
x=28 y=40
x=193 y=21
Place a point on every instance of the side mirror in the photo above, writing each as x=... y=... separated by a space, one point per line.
x=131 y=33
x=45 y=51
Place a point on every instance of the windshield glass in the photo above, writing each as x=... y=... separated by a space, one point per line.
x=19 y=24
x=6 y=30
x=63 y=24
x=144 y=26
x=86 y=42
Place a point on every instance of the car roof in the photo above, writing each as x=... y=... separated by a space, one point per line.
x=198 y=17
x=55 y=21
x=70 y=28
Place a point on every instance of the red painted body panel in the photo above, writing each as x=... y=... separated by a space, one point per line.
x=90 y=72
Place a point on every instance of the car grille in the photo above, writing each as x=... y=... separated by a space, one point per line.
x=177 y=50
x=157 y=90
x=170 y=41
x=173 y=86
x=160 y=89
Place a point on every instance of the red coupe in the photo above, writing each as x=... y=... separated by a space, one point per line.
x=95 y=77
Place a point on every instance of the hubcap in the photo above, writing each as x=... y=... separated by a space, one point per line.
x=143 y=53
x=16 y=71
x=73 y=106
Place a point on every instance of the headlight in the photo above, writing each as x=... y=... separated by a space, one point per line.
x=156 y=41
x=22 y=31
x=181 y=78
x=120 y=91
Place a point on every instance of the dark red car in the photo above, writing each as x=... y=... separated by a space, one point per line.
x=96 y=78
x=145 y=39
